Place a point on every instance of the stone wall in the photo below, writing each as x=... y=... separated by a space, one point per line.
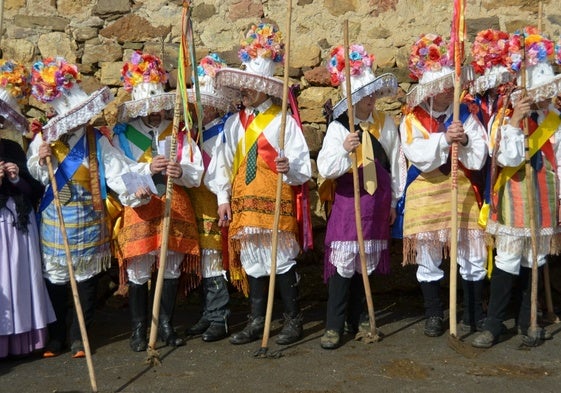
x=100 y=34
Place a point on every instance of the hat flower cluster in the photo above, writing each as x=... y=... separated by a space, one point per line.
x=263 y=40
x=53 y=77
x=538 y=48
x=142 y=68
x=490 y=49
x=210 y=64
x=558 y=52
x=429 y=53
x=359 y=60
x=14 y=78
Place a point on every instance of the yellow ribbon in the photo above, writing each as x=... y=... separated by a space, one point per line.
x=252 y=132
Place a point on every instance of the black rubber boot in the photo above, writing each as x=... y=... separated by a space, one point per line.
x=287 y=284
x=337 y=303
x=256 y=322
x=138 y=304
x=165 y=329
x=433 y=308
x=473 y=316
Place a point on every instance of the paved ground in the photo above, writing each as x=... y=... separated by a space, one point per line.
x=405 y=360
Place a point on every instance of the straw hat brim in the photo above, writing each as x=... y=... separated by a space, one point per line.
x=422 y=91
x=144 y=106
x=78 y=115
x=235 y=79
x=383 y=86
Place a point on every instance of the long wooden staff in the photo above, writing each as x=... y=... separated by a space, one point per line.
x=73 y=285
x=262 y=352
x=372 y=335
x=533 y=330
x=458 y=28
x=551 y=316
x=153 y=355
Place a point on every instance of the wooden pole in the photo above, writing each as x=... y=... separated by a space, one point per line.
x=372 y=335
x=153 y=355
x=272 y=277
x=529 y=180
x=73 y=285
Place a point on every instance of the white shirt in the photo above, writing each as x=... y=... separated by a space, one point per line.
x=219 y=176
x=427 y=154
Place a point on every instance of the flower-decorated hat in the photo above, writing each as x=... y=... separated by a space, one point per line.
x=261 y=50
x=206 y=72
x=144 y=77
x=362 y=78
x=432 y=64
x=491 y=60
x=55 y=81
x=541 y=81
x=14 y=88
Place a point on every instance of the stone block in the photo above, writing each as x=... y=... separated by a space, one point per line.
x=85 y=33
x=109 y=7
x=110 y=73
x=134 y=28
x=20 y=50
x=245 y=9
x=340 y=7
x=57 y=44
x=102 y=52
x=54 y=23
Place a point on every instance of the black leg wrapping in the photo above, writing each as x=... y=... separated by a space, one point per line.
x=501 y=285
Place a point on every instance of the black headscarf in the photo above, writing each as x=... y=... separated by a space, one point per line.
x=27 y=192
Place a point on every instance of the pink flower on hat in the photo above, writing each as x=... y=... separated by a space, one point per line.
x=359 y=60
x=53 y=77
x=490 y=48
x=263 y=40
x=429 y=53
x=538 y=48
x=14 y=78
x=142 y=68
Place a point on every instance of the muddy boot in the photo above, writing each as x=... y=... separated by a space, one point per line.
x=434 y=325
x=501 y=285
x=216 y=308
x=472 y=319
x=165 y=330
x=138 y=298
x=256 y=322
x=292 y=328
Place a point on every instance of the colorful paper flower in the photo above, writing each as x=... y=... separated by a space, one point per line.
x=490 y=48
x=263 y=40
x=359 y=60
x=53 y=77
x=210 y=64
x=14 y=78
x=558 y=52
x=429 y=53
x=142 y=68
x=538 y=48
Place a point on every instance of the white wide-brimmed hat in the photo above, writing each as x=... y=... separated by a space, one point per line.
x=541 y=82
x=55 y=81
x=262 y=49
x=206 y=73
x=14 y=88
x=490 y=60
x=433 y=66
x=144 y=77
x=362 y=78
